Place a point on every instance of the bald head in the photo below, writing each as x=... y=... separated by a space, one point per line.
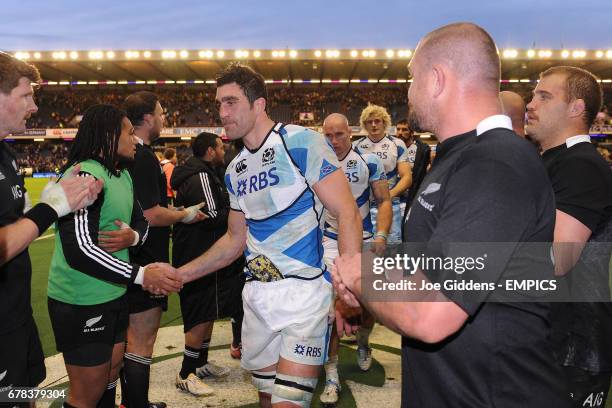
x=513 y=105
x=338 y=133
x=336 y=119
x=467 y=50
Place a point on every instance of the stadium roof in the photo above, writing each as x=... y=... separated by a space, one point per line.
x=99 y=67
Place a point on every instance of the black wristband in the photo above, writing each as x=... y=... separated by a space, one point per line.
x=43 y=215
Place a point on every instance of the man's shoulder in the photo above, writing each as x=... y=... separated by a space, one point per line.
x=299 y=136
x=398 y=142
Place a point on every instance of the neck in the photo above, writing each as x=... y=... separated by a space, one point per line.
x=520 y=130
x=144 y=135
x=376 y=139
x=341 y=155
x=561 y=136
x=258 y=133
x=466 y=112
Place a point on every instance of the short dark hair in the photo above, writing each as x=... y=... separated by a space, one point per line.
x=580 y=84
x=97 y=137
x=251 y=82
x=139 y=104
x=12 y=70
x=202 y=142
x=402 y=122
x=169 y=153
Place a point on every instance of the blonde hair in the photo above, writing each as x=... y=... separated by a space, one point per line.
x=377 y=112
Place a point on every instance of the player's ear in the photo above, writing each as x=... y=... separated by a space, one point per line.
x=259 y=105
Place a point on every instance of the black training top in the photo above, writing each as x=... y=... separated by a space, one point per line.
x=150 y=188
x=15 y=275
x=582 y=181
x=490 y=187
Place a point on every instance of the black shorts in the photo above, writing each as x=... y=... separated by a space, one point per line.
x=22 y=362
x=86 y=335
x=139 y=300
x=212 y=297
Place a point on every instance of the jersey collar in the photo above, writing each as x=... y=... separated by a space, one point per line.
x=574 y=140
x=492 y=122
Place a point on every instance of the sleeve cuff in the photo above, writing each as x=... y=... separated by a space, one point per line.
x=139 y=280
x=136 y=239
x=43 y=215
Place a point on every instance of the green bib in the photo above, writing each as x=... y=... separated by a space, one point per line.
x=75 y=287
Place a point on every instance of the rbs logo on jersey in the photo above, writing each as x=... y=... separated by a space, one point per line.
x=257 y=182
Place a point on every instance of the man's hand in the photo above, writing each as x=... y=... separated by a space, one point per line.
x=161 y=279
x=193 y=214
x=80 y=191
x=346 y=273
x=379 y=245
x=348 y=319
x=113 y=241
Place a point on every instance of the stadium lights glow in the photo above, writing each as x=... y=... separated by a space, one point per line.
x=355 y=81
x=132 y=54
x=332 y=53
x=206 y=54
x=293 y=53
x=185 y=137
x=318 y=53
x=510 y=53
x=181 y=82
x=93 y=82
x=95 y=55
x=74 y=55
x=390 y=53
x=531 y=53
x=110 y=55
x=579 y=54
x=256 y=53
x=59 y=55
x=599 y=54
x=184 y=54
x=198 y=81
x=241 y=54
x=22 y=55
x=210 y=81
x=404 y=53
x=121 y=82
x=147 y=54
x=168 y=54
x=354 y=53
x=64 y=83
x=297 y=81
x=39 y=140
x=37 y=55
x=565 y=54
x=544 y=53
x=220 y=54
x=609 y=54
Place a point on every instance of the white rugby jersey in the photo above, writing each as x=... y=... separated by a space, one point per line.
x=360 y=170
x=390 y=149
x=411 y=154
x=272 y=186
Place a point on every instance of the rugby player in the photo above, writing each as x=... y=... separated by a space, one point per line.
x=418 y=158
x=513 y=106
x=367 y=178
x=278 y=185
x=87 y=285
x=486 y=185
x=150 y=184
x=564 y=105
x=21 y=356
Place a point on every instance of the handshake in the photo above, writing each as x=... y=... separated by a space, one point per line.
x=161 y=279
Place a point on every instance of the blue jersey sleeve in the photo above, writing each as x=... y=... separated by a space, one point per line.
x=230 y=189
x=402 y=150
x=375 y=167
x=312 y=154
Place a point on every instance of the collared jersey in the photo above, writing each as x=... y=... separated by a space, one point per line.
x=272 y=186
x=360 y=170
x=390 y=149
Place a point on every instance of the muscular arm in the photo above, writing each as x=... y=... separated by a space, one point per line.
x=405 y=179
x=335 y=194
x=570 y=238
x=15 y=238
x=159 y=216
x=383 y=201
x=227 y=249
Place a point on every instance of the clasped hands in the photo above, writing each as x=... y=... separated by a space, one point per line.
x=162 y=279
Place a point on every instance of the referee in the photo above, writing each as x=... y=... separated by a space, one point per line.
x=564 y=105
x=21 y=356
